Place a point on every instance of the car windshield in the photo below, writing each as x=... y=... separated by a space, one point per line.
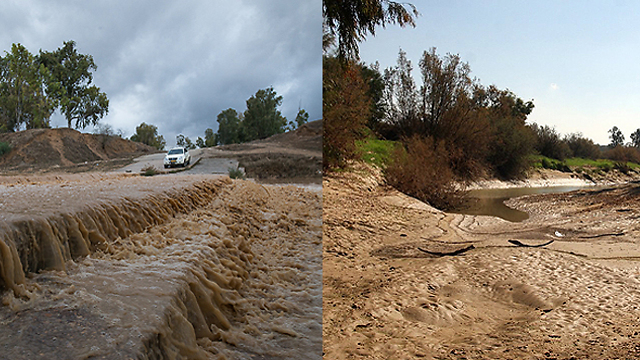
x=175 y=151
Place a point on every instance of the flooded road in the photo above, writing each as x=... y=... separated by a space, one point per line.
x=209 y=269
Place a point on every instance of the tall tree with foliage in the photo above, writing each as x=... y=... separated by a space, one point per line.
x=262 y=117
x=22 y=94
x=81 y=103
x=616 y=136
x=210 y=139
x=400 y=96
x=185 y=142
x=635 y=138
x=230 y=130
x=346 y=109
x=148 y=134
x=350 y=21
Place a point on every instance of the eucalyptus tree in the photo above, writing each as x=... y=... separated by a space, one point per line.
x=22 y=91
x=70 y=84
x=350 y=21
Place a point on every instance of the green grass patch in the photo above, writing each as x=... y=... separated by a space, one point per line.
x=376 y=152
x=580 y=164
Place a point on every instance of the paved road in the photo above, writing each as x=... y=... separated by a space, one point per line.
x=204 y=166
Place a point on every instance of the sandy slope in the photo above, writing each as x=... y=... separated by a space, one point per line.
x=386 y=298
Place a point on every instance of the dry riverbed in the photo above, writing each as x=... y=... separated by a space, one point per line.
x=391 y=291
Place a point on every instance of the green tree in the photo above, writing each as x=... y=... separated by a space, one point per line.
x=230 y=129
x=22 y=95
x=70 y=84
x=262 y=117
x=346 y=109
x=635 y=138
x=582 y=147
x=210 y=139
x=302 y=117
x=185 y=142
x=401 y=97
x=148 y=134
x=549 y=144
x=351 y=21
x=616 y=136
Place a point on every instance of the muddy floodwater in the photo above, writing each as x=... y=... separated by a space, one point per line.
x=491 y=202
x=169 y=267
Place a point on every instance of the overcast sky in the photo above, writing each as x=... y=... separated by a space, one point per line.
x=578 y=60
x=178 y=64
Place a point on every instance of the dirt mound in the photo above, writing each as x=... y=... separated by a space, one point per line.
x=308 y=137
x=46 y=148
x=294 y=155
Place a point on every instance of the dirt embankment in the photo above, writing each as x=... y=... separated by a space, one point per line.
x=391 y=291
x=295 y=155
x=66 y=150
x=548 y=177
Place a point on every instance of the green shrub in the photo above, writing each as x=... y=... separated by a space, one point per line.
x=236 y=173
x=606 y=167
x=149 y=171
x=423 y=171
x=4 y=148
x=623 y=167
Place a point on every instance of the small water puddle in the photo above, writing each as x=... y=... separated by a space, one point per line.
x=491 y=201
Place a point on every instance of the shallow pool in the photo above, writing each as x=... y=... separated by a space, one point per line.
x=491 y=201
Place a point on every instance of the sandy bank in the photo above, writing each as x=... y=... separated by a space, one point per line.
x=549 y=178
x=387 y=294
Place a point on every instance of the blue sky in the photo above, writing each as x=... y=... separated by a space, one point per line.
x=178 y=64
x=579 y=61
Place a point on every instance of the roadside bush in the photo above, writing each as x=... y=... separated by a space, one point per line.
x=5 y=148
x=421 y=169
x=236 y=173
x=149 y=171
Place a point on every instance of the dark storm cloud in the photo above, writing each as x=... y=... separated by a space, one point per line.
x=177 y=64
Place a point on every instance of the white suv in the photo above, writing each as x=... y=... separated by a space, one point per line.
x=177 y=156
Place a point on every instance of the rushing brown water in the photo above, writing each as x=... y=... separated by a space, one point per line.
x=212 y=269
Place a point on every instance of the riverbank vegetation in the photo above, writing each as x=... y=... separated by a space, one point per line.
x=434 y=139
x=434 y=134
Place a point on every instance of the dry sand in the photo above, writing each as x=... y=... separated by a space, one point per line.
x=384 y=297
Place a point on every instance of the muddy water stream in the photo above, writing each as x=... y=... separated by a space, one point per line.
x=213 y=270
x=491 y=201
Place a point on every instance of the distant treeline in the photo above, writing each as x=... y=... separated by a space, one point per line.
x=260 y=120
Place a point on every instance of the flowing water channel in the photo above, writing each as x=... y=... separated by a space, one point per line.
x=163 y=268
x=491 y=202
